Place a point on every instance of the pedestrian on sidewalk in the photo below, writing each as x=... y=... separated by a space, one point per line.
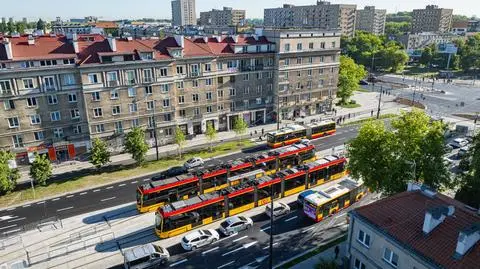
x=337 y=251
x=263 y=131
x=371 y=113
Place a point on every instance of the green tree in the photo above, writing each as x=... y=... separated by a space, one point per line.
x=20 y=27
x=349 y=76
x=99 y=154
x=397 y=28
x=211 y=134
x=41 y=169
x=10 y=27
x=469 y=52
x=412 y=150
x=326 y=265
x=470 y=182
x=180 y=140
x=240 y=127
x=136 y=145
x=427 y=56
x=394 y=57
x=40 y=25
x=3 y=27
x=8 y=176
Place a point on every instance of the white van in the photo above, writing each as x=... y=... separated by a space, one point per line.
x=146 y=256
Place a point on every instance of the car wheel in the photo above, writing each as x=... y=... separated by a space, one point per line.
x=193 y=248
x=249 y=226
x=164 y=261
x=214 y=240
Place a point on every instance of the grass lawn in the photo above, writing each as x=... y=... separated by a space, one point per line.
x=384 y=116
x=90 y=181
x=422 y=72
x=351 y=105
x=362 y=90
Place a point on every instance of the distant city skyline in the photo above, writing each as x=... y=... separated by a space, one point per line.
x=161 y=9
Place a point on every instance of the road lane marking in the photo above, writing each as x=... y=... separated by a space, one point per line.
x=7 y=217
x=230 y=252
x=83 y=193
x=111 y=187
x=269 y=245
x=341 y=215
x=55 y=199
x=225 y=265
x=70 y=196
x=96 y=190
x=66 y=208
x=240 y=238
x=10 y=209
x=177 y=263
x=235 y=234
x=26 y=205
x=121 y=185
x=292 y=218
x=266 y=228
x=133 y=182
x=106 y=199
x=147 y=179
x=42 y=202
x=19 y=219
x=210 y=250
x=6 y=227
x=12 y=231
x=309 y=229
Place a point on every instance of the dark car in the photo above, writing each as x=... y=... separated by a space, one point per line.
x=363 y=82
x=171 y=172
x=372 y=78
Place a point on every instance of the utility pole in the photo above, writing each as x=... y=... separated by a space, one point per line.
x=414 y=91
x=270 y=262
x=379 y=102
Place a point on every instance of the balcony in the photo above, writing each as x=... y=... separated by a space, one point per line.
x=130 y=82
x=113 y=83
x=194 y=74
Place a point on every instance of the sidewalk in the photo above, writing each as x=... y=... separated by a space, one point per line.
x=327 y=255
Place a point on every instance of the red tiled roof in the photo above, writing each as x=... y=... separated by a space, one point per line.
x=401 y=217
x=105 y=24
x=460 y=24
x=45 y=47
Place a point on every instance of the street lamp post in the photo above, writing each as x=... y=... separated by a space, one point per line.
x=379 y=102
x=271 y=229
x=414 y=91
x=155 y=128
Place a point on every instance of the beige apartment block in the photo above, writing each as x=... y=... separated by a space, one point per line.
x=371 y=20
x=225 y=17
x=432 y=19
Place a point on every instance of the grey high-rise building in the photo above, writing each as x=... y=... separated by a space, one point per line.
x=183 y=12
x=371 y=20
x=225 y=17
x=432 y=19
x=323 y=15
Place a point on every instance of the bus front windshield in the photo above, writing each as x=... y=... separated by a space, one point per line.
x=270 y=138
x=139 y=197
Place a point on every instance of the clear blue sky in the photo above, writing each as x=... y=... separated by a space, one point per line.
x=116 y=9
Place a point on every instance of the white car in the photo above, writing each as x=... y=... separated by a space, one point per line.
x=279 y=209
x=235 y=224
x=459 y=142
x=193 y=163
x=199 y=238
x=463 y=151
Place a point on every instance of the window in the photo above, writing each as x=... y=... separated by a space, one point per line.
x=333 y=44
x=166 y=102
x=58 y=132
x=5 y=87
x=322 y=45
x=48 y=62
x=269 y=74
x=390 y=257
x=220 y=93
x=96 y=96
x=208 y=81
x=116 y=110
x=163 y=72
x=358 y=264
x=39 y=135
x=55 y=116
x=334 y=58
x=232 y=106
x=246 y=90
x=97 y=112
x=151 y=122
x=68 y=79
x=135 y=123
x=28 y=64
x=179 y=70
x=195 y=97
x=13 y=122
x=147 y=75
x=179 y=84
x=309 y=84
x=219 y=66
x=299 y=46
x=68 y=61
x=182 y=112
x=132 y=92
x=75 y=113
x=195 y=83
x=196 y=111
x=168 y=131
x=259 y=75
x=150 y=105
x=164 y=88
x=132 y=107
x=9 y=104
x=322 y=59
x=208 y=67
x=181 y=99
x=363 y=238
x=299 y=85
x=287 y=47
x=246 y=77
x=299 y=60
x=269 y=88
x=321 y=83
x=220 y=107
x=17 y=141
x=118 y=127
x=114 y=94
x=77 y=129
x=232 y=92
x=92 y=78
x=112 y=76
x=99 y=128
x=208 y=95
x=167 y=117
x=287 y=61
x=148 y=90
x=31 y=102
x=310 y=45
x=27 y=83
x=259 y=89
x=258 y=101
x=49 y=83
x=231 y=64
x=209 y=109
x=310 y=60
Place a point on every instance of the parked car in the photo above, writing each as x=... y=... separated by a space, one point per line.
x=463 y=151
x=279 y=209
x=301 y=197
x=199 y=238
x=235 y=224
x=447 y=161
x=194 y=163
x=146 y=256
x=170 y=172
x=363 y=82
x=448 y=148
x=459 y=142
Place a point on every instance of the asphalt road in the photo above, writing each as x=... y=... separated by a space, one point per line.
x=17 y=219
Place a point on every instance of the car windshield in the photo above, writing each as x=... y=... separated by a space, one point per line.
x=207 y=232
x=191 y=161
x=158 y=249
x=242 y=218
x=184 y=239
x=224 y=224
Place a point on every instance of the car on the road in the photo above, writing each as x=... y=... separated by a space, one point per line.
x=146 y=256
x=459 y=142
x=363 y=82
x=279 y=209
x=170 y=172
x=304 y=141
x=235 y=224
x=199 y=238
x=194 y=163
x=301 y=197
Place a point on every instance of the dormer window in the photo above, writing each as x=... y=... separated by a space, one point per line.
x=69 y=61
x=107 y=59
x=146 y=55
x=128 y=58
x=48 y=62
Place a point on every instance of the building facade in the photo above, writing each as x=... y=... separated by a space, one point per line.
x=183 y=12
x=416 y=229
x=58 y=93
x=421 y=40
x=225 y=17
x=323 y=15
x=371 y=20
x=432 y=19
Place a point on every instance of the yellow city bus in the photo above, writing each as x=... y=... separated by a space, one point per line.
x=294 y=133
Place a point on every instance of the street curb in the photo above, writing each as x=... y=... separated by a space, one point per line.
x=308 y=251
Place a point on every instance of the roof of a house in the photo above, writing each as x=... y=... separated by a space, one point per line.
x=401 y=217
x=45 y=47
x=460 y=24
x=105 y=24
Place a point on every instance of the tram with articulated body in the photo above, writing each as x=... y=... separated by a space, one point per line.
x=154 y=194
x=331 y=199
x=181 y=216
x=294 y=133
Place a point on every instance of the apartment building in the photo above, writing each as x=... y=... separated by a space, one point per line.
x=225 y=17
x=60 y=92
x=419 y=228
x=432 y=19
x=323 y=15
x=183 y=12
x=421 y=40
x=371 y=20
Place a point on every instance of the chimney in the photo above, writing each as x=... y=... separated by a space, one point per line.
x=435 y=216
x=8 y=48
x=205 y=38
x=466 y=240
x=31 y=40
x=180 y=39
x=129 y=38
x=427 y=191
x=235 y=38
x=113 y=43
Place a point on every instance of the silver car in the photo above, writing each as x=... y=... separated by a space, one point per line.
x=199 y=238
x=235 y=224
x=279 y=210
x=146 y=256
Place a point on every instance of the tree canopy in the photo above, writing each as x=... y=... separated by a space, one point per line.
x=469 y=52
x=470 y=182
x=386 y=159
x=179 y=140
x=41 y=169
x=99 y=154
x=349 y=76
x=211 y=134
x=8 y=176
x=136 y=145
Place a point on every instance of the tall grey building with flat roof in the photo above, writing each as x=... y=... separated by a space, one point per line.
x=323 y=15
x=183 y=12
x=225 y=17
x=371 y=20
x=432 y=19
